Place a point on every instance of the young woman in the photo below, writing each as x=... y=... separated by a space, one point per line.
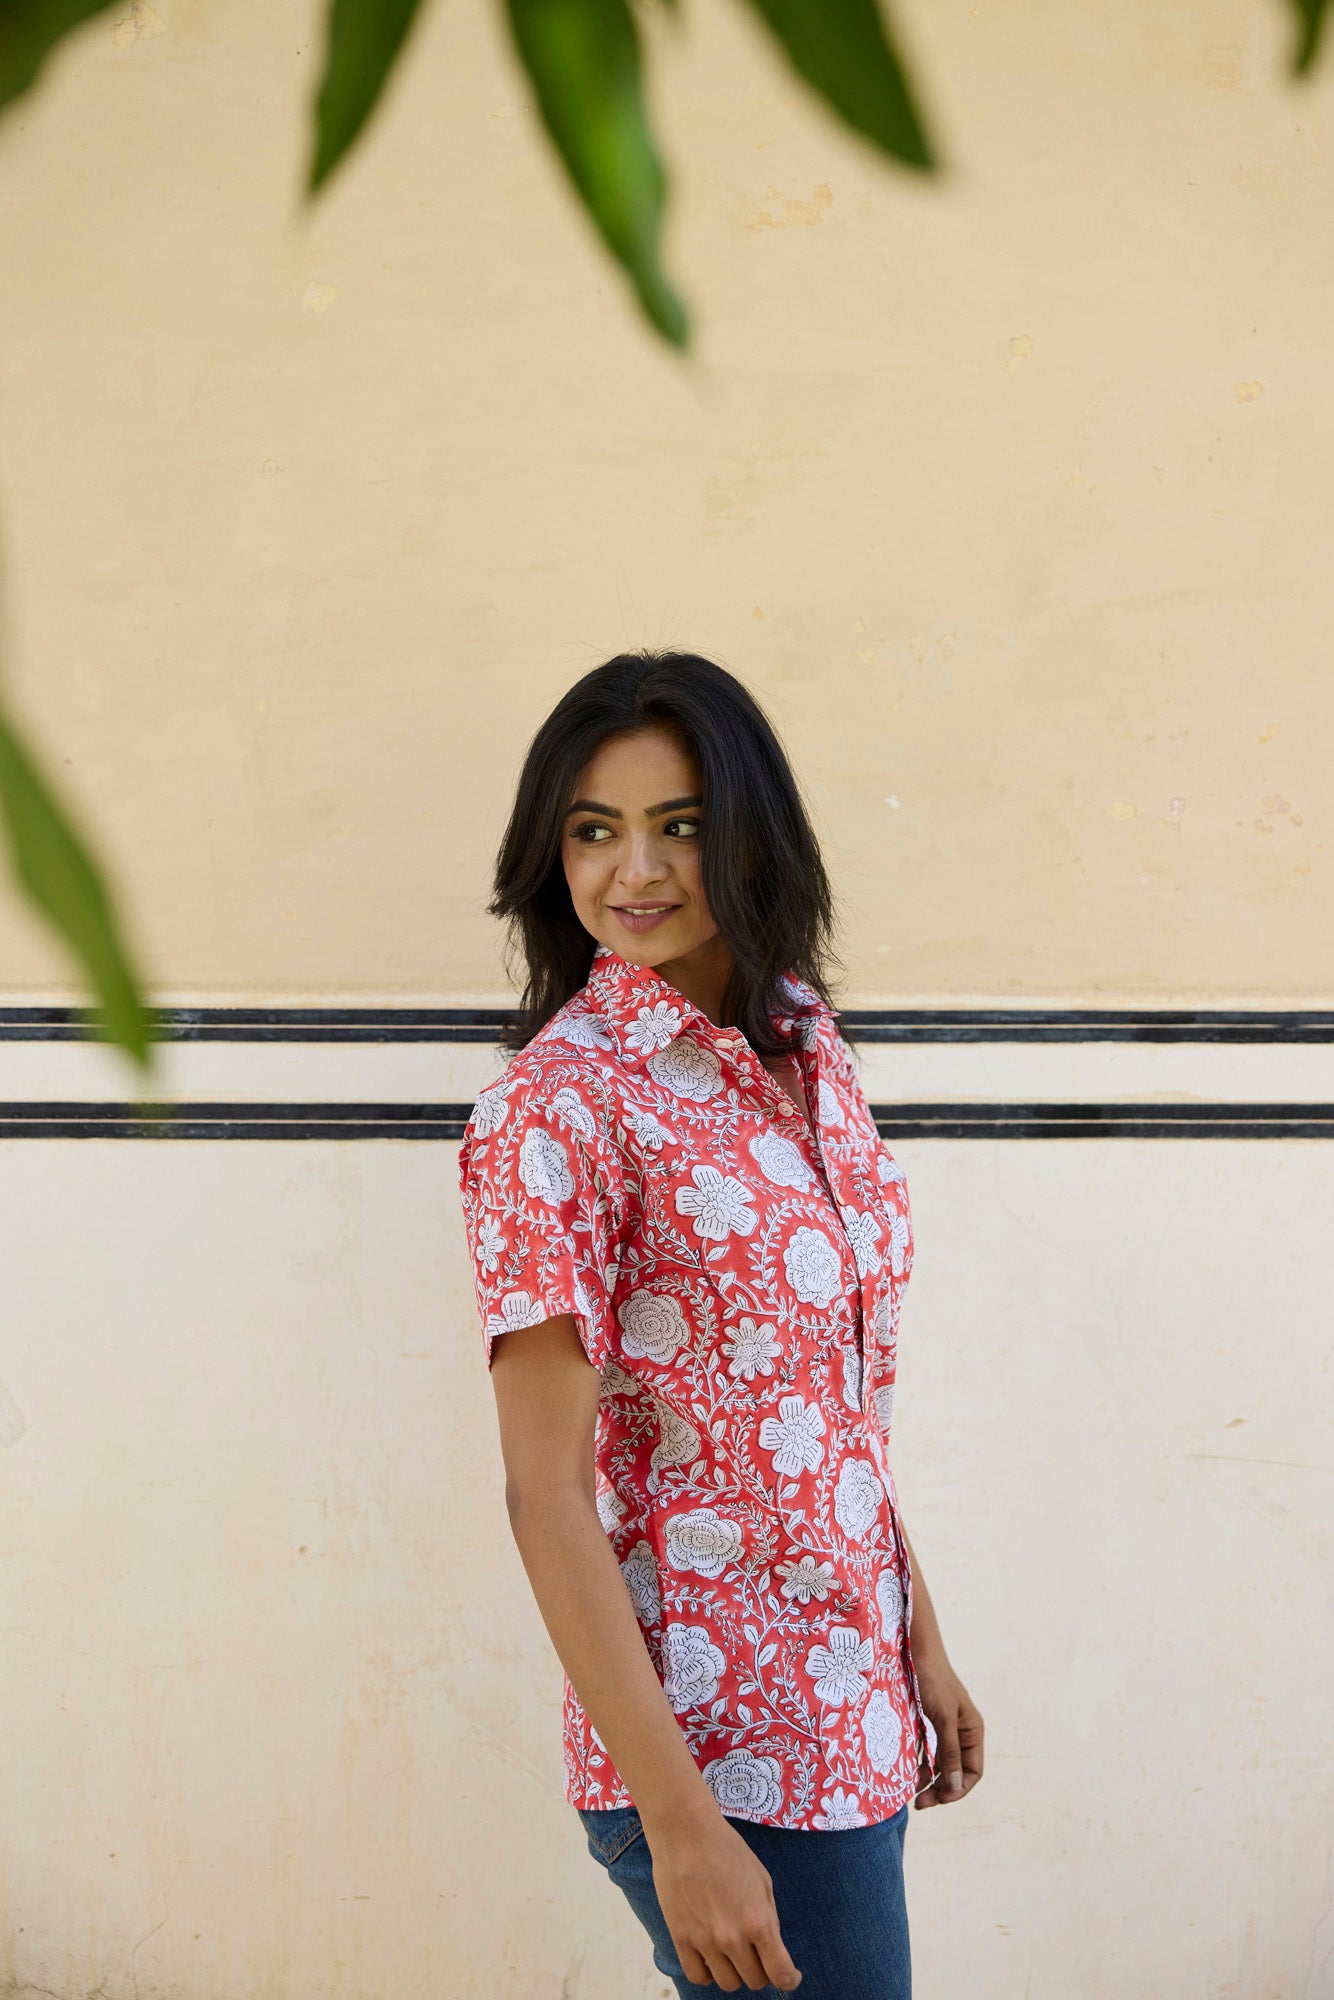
x=687 y=1230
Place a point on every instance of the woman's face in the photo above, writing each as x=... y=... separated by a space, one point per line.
x=631 y=849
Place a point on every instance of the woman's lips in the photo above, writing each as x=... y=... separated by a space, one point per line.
x=645 y=920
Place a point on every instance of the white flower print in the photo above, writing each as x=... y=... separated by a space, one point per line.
x=583 y=1029
x=569 y=1107
x=719 y=1204
x=831 y=1111
x=618 y=1381
x=864 y=1236
x=839 y=1810
x=745 y=1784
x=640 y=1570
x=687 y=1069
x=691 y=1666
x=856 y=1497
x=678 y=1444
x=889 y=1596
x=490 y=1243
x=651 y=1135
x=703 y=1541
x=653 y=1326
x=884 y=1405
x=885 y=1316
x=852 y=1378
x=899 y=1237
x=488 y=1114
x=780 y=1161
x=887 y=1169
x=839 y=1669
x=794 y=1436
x=516 y=1309
x=882 y=1732
x=753 y=1350
x=655 y=1027
x=611 y=1509
x=813 y=1268
x=544 y=1167
x=806 y=1579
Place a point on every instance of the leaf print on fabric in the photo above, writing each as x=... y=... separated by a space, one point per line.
x=640 y=1570
x=900 y=1242
x=884 y=1317
x=831 y=1111
x=813 y=1268
x=517 y=1309
x=882 y=1732
x=582 y=1029
x=864 y=1236
x=653 y=1028
x=857 y=1497
x=746 y=1785
x=719 y=1204
x=650 y=1134
x=806 y=1579
x=678 y=1444
x=653 y=1326
x=703 y=1541
x=794 y=1436
x=839 y=1810
x=887 y=1169
x=779 y=1160
x=490 y=1243
x=618 y=1381
x=839 y=1669
x=570 y=1109
x=488 y=1113
x=752 y=1350
x=884 y=1405
x=691 y=1666
x=687 y=1070
x=544 y=1167
x=852 y=1378
x=889 y=1597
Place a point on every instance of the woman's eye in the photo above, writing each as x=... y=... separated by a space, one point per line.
x=591 y=833
x=686 y=827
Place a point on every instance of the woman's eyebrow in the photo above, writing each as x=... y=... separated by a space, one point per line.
x=650 y=812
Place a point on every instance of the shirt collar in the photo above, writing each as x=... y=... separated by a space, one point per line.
x=643 y=1012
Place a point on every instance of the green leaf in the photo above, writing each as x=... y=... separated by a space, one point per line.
x=62 y=879
x=363 y=40
x=843 y=50
x=1311 y=19
x=29 y=30
x=583 y=58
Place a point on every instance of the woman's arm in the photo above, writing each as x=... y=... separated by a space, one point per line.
x=716 y=1896
x=955 y=1719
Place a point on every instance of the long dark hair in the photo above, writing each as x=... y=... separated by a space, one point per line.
x=760 y=866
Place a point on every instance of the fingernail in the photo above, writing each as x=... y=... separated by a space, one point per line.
x=954 y=1781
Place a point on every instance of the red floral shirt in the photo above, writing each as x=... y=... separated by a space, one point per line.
x=736 y=1278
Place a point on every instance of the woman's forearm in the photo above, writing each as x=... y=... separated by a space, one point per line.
x=591 y=1622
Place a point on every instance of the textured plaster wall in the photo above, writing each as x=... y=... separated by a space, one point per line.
x=1008 y=494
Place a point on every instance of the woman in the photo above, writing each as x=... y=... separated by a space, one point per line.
x=684 y=1224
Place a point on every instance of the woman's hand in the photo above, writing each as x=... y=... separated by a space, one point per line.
x=958 y=1727
x=717 y=1898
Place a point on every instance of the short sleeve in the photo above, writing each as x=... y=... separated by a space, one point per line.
x=536 y=1212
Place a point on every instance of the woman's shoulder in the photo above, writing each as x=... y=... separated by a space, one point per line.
x=565 y=1074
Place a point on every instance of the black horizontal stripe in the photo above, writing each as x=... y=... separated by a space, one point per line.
x=481 y=1025
x=93 y=1120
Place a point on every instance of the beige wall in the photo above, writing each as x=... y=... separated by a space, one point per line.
x=1008 y=494
x=1010 y=497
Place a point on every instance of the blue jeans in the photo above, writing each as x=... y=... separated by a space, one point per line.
x=839 y=1898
